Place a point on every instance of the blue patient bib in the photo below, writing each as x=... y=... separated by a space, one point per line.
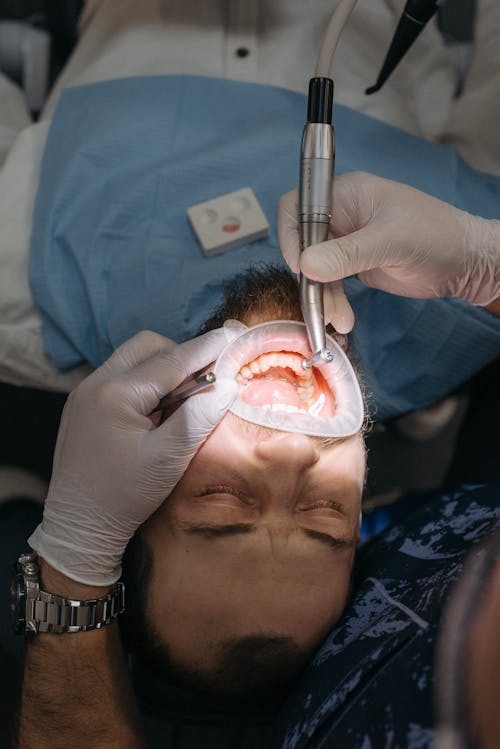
x=112 y=251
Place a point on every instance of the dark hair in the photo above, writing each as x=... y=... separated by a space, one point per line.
x=263 y=291
x=251 y=667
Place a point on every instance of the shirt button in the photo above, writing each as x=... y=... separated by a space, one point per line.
x=242 y=52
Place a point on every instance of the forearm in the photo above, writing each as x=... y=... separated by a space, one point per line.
x=494 y=307
x=491 y=241
x=76 y=689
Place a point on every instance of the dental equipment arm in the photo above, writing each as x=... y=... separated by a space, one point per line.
x=317 y=163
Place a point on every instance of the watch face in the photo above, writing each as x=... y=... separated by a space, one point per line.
x=18 y=600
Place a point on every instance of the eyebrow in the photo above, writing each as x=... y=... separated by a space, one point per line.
x=237 y=529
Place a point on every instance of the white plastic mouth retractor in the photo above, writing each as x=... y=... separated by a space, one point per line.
x=288 y=335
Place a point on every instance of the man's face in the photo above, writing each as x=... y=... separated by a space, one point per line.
x=258 y=538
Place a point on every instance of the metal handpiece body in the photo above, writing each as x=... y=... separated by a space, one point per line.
x=317 y=165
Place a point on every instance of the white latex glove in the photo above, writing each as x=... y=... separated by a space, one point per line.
x=338 y=311
x=397 y=239
x=112 y=466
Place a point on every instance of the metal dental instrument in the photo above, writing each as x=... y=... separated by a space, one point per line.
x=325 y=356
x=317 y=159
x=187 y=389
x=317 y=163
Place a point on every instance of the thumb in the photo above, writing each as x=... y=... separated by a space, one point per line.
x=338 y=310
x=342 y=257
x=191 y=424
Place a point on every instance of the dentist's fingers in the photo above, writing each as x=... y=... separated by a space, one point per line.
x=184 y=431
x=147 y=383
x=338 y=310
x=136 y=350
x=233 y=329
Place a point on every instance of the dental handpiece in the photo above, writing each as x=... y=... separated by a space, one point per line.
x=317 y=162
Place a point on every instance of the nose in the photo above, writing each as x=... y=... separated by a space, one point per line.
x=283 y=461
x=293 y=452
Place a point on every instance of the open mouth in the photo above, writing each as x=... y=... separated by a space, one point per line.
x=275 y=390
x=277 y=381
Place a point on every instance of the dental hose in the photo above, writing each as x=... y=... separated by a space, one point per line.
x=317 y=164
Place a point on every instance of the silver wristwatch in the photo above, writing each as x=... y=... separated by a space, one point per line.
x=35 y=611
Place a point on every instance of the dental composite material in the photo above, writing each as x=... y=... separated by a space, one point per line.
x=317 y=163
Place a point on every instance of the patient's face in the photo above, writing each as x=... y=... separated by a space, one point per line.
x=258 y=537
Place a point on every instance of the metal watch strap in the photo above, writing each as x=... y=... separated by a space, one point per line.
x=51 y=613
x=35 y=610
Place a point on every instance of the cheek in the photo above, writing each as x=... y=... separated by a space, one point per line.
x=327 y=605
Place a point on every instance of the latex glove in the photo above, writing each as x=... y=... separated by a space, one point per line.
x=338 y=311
x=398 y=239
x=113 y=467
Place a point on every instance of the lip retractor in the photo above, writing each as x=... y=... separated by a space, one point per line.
x=260 y=360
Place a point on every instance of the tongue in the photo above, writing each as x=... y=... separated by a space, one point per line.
x=262 y=392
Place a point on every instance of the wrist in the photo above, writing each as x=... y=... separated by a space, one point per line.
x=77 y=559
x=483 y=273
x=56 y=582
x=494 y=307
x=44 y=600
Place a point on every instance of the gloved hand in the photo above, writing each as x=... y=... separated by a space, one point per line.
x=337 y=308
x=400 y=240
x=114 y=466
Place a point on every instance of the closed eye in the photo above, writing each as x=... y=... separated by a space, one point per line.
x=214 y=531
x=322 y=504
x=222 y=489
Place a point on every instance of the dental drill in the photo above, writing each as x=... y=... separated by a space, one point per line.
x=317 y=164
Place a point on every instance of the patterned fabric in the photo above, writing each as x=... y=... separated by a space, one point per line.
x=371 y=683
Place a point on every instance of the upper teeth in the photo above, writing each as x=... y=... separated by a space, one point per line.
x=262 y=363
